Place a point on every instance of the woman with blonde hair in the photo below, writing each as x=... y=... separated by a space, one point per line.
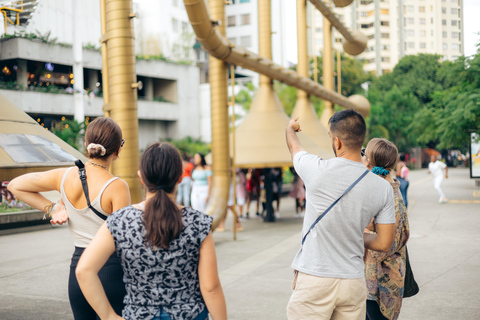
x=167 y=251
x=103 y=141
x=385 y=271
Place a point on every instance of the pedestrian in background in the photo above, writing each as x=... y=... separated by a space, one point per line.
x=402 y=176
x=167 y=252
x=385 y=271
x=436 y=168
x=202 y=179
x=103 y=141
x=185 y=187
x=329 y=278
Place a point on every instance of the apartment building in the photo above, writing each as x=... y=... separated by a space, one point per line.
x=396 y=28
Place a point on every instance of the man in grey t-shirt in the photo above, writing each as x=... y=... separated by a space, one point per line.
x=329 y=282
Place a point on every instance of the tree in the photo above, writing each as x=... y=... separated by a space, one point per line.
x=71 y=131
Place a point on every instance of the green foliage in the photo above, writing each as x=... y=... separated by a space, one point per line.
x=45 y=38
x=190 y=146
x=160 y=99
x=71 y=132
x=426 y=102
x=245 y=96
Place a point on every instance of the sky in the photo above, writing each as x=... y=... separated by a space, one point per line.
x=471 y=11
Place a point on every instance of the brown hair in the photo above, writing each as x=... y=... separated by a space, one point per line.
x=382 y=153
x=104 y=132
x=161 y=169
x=350 y=127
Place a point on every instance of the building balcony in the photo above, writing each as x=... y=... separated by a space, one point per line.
x=63 y=105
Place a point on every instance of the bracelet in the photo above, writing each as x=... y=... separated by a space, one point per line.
x=49 y=210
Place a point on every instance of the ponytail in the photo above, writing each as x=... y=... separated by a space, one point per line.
x=161 y=169
x=162 y=220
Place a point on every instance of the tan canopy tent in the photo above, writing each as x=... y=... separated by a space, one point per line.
x=25 y=146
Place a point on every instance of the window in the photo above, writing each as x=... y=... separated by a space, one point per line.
x=411 y=33
x=244 y=1
x=184 y=27
x=421 y=9
x=410 y=20
x=385 y=35
x=370 y=37
x=385 y=59
x=363 y=14
x=175 y=25
x=453 y=11
x=444 y=34
x=371 y=60
x=455 y=35
x=384 y=11
x=366 y=26
x=409 y=8
x=454 y=46
x=444 y=10
x=385 y=23
x=454 y=23
x=365 y=2
x=444 y=22
x=444 y=46
x=318 y=29
x=245 y=19
x=174 y=3
x=231 y=21
x=423 y=21
x=411 y=45
x=246 y=41
x=423 y=45
x=386 y=47
x=422 y=33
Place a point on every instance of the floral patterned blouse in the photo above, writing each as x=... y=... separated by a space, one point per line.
x=165 y=278
x=385 y=271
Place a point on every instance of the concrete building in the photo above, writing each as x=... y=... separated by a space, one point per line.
x=37 y=74
x=396 y=28
x=242 y=29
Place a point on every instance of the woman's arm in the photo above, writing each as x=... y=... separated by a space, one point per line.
x=398 y=172
x=209 y=282
x=93 y=258
x=27 y=187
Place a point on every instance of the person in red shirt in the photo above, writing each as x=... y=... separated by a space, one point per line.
x=185 y=187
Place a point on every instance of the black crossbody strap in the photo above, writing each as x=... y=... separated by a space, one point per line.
x=333 y=204
x=83 y=178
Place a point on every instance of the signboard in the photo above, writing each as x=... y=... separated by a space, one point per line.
x=475 y=155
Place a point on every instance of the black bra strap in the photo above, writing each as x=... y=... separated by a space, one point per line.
x=83 y=178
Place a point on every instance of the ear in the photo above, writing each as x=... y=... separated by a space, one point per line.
x=338 y=143
x=140 y=176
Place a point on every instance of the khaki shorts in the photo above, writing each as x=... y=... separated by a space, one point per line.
x=327 y=298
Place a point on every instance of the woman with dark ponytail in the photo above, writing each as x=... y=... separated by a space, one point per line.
x=166 y=251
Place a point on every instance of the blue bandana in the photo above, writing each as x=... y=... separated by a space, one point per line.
x=380 y=171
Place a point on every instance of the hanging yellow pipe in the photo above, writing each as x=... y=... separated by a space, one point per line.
x=105 y=86
x=218 y=46
x=123 y=94
x=327 y=70
x=355 y=41
x=217 y=203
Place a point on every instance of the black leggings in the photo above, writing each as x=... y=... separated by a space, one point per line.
x=111 y=276
x=373 y=311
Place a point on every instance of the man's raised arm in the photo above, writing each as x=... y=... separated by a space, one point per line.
x=292 y=140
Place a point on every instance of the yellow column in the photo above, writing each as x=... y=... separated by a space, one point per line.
x=123 y=94
x=327 y=69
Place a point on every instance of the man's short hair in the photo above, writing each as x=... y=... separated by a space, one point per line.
x=350 y=127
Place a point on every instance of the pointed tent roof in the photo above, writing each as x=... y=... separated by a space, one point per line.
x=260 y=139
x=25 y=146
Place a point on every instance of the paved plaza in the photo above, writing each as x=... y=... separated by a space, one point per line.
x=255 y=270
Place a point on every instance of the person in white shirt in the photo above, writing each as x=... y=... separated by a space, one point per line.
x=436 y=167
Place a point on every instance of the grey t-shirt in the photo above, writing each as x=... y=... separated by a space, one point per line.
x=334 y=248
